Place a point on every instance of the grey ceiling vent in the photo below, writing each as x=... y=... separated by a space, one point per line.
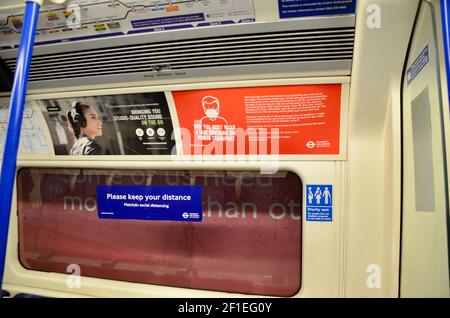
x=286 y=47
x=244 y=50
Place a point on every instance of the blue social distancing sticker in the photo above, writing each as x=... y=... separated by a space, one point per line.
x=164 y=203
x=319 y=202
x=305 y=8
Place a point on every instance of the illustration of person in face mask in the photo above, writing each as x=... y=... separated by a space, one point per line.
x=211 y=106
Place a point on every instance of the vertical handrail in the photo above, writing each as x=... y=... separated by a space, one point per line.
x=16 y=108
x=445 y=17
x=445 y=6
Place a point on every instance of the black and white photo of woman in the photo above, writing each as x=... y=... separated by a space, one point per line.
x=85 y=125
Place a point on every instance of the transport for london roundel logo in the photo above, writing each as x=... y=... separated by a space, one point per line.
x=310 y=144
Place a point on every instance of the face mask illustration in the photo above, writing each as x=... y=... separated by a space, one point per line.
x=212 y=113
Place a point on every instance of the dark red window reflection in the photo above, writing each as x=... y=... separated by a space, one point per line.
x=248 y=242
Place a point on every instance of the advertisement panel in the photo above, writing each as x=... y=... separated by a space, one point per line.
x=89 y=19
x=127 y=124
x=284 y=120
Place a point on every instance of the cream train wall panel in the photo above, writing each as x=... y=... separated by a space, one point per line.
x=373 y=166
x=326 y=171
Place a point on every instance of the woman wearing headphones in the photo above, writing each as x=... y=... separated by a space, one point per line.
x=85 y=125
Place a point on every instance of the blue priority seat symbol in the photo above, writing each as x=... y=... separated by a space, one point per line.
x=319 y=202
x=319 y=195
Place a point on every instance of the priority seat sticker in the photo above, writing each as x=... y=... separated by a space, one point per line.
x=319 y=202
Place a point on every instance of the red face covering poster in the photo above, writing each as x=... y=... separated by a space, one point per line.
x=276 y=120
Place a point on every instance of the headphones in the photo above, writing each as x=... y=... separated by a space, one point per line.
x=78 y=117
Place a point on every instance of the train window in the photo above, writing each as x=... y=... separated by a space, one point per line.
x=423 y=152
x=249 y=240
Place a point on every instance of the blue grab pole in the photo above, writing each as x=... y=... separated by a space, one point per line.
x=16 y=108
x=445 y=17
